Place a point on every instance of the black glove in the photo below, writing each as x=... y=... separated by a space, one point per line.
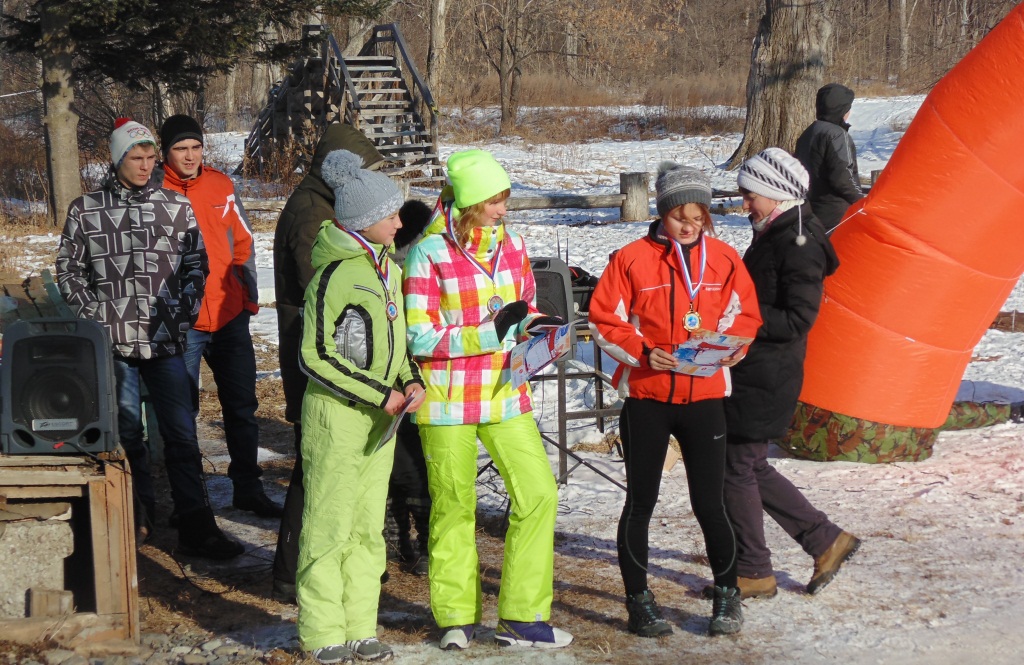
x=508 y=316
x=535 y=326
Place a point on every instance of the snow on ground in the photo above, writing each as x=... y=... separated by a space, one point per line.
x=938 y=577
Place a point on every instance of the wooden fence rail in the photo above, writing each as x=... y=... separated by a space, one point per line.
x=633 y=200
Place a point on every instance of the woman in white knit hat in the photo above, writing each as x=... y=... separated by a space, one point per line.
x=788 y=259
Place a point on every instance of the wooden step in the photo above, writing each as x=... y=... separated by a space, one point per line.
x=405 y=147
x=370 y=68
x=412 y=133
x=375 y=79
x=369 y=58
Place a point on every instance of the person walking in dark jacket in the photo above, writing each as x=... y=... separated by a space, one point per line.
x=830 y=157
x=132 y=258
x=788 y=259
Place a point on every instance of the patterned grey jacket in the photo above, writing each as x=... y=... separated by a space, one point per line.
x=133 y=260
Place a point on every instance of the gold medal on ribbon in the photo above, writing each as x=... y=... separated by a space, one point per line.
x=691 y=321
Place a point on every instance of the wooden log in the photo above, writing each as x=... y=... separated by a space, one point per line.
x=636 y=202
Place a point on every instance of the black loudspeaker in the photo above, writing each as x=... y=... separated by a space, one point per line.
x=554 y=287
x=58 y=390
x=554 y=290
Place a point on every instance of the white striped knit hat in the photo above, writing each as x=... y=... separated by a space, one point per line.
x=775 y=174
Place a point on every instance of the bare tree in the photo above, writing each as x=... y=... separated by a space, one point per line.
x=438 y=45
x=787 y=65
x=60 y=120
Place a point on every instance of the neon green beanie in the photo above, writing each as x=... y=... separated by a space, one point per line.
x=475 y=176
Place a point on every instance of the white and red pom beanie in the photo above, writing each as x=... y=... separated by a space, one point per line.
x=127 y=134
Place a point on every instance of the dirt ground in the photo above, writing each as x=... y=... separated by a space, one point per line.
x=197 y=598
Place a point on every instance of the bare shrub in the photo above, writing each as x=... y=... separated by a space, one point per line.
x=697 y=90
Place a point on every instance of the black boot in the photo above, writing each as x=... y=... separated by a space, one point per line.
x=726 y=612
x=199 y=536
x=645 y=615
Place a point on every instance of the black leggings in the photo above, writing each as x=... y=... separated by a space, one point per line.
x=699 y=427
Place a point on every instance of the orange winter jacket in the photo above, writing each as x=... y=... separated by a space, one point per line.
x=231 y=284
x=640 y=302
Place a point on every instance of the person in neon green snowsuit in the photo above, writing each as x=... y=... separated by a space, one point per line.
x=354 y=352
x=469 y=296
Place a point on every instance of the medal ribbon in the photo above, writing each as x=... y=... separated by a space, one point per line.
x=382 y=273
x=489 y=273
x=692 y=288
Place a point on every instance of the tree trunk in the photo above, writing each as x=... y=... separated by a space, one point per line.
x=60 y=121
x=787 y=65
x=436 y=49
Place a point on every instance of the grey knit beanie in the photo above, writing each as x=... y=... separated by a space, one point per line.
x=677 y=185
x=361 y=198
x=775 y=174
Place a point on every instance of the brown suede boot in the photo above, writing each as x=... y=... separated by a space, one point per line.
x=750 y=587
x=827 y=565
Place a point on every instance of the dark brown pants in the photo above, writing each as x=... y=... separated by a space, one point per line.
x=753 y=487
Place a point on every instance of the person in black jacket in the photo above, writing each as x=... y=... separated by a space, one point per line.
x=788 y=259
x=827 y=152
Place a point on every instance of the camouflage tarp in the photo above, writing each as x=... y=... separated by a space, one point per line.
x=823 y=435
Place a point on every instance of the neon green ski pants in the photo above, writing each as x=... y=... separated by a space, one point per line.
x=526 y=575
x=341 y=545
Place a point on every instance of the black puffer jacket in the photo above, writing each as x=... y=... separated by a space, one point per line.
x=133 y=260
x=789 y=281
x=827 y=152
x=310 y=204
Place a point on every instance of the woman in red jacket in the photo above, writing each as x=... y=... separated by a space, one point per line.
x=653 y=295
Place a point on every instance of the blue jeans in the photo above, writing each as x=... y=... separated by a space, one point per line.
x=172 y=396
x=230 y=355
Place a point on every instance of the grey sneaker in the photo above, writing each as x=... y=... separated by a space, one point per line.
x=335 y=653
x=370 y=649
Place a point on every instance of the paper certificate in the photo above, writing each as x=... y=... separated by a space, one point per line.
x=533 y=355
x=702 y=354
x=393 y=427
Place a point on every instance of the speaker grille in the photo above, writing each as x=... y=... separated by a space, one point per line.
x=57 y=388
x=57 y=382
x=551 y=294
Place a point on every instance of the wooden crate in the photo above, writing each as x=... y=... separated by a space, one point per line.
x=103 y=521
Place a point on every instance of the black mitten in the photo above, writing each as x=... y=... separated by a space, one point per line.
x=539 y=325
x=508 y=316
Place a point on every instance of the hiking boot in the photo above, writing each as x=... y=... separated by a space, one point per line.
x=456 y=637
x=645 y=616
x=259 y=503
x=726 y=612
x=370 y=649
x=336 y=653
x=530 y=634
x=750 y=587
x=201 y=537
x=827 y=565
x=283 y=592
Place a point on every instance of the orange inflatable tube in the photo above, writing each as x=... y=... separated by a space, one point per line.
x=932 y=253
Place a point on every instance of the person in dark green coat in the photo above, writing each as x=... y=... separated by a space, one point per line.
x=361 y=375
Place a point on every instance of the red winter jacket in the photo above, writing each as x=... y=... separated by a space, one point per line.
x=231 y=285
x=640 y=303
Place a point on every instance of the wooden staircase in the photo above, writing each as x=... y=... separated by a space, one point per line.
x=378 y=91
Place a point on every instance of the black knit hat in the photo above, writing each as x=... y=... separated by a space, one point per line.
x=178 y=128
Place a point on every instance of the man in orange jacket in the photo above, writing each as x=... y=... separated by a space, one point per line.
x=221 y=334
